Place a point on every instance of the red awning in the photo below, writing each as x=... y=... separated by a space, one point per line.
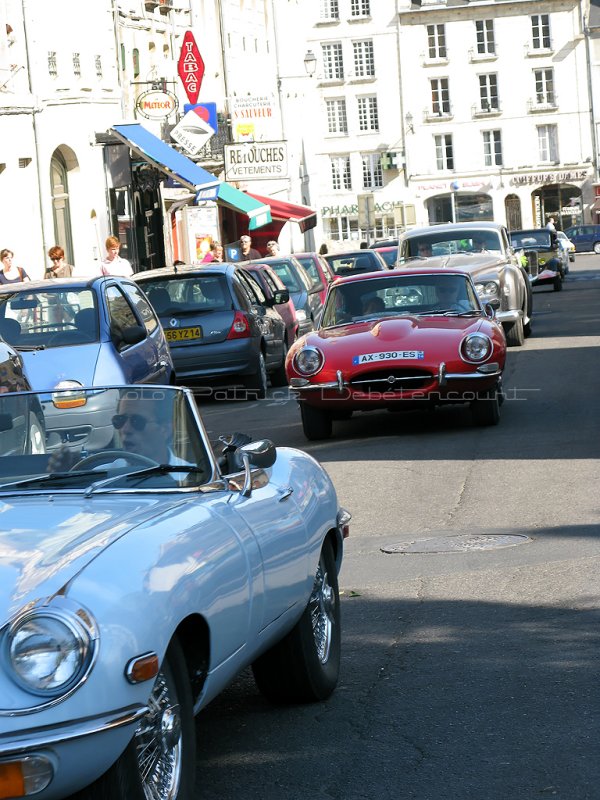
x=284 y=211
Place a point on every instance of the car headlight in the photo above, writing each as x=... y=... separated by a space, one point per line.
x=301 y=315
x=487 y=290
x=476 y=347
x=49 y=651
x=308 y=361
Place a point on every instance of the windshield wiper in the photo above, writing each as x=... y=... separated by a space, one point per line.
x=26 y=348
x=157 y=469
x=50 y=478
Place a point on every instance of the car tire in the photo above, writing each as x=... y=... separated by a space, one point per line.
x=485 y=409
x=256 y=384
x=171 y=761
x=557 y=284
x=596 y=248
x=304 y=666
x=36 y=440
x=316 y=423
x=515 y=334
x=278 y=376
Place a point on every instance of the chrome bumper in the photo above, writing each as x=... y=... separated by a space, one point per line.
x=509 y=316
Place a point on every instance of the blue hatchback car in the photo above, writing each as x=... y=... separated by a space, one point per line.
x=586 y=238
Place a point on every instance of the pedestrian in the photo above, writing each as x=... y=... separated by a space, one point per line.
x=272 y=248
x=247 y=251
x=551 y=226
x=58 y=268
x=215 y=253
x=113 y=264
x=323 y=250
x=9 y=273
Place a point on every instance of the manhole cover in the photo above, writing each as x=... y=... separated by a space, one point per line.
x=458 y=544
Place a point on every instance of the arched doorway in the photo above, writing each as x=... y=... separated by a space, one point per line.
x=512 y=209
x=562 y=201
x=61 y=209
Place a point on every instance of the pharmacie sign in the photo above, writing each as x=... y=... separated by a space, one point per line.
x=156 y=104
x=256 y=161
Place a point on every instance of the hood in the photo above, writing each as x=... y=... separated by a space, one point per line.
x=467 y=262
x=406 y=333
x=46 y=540
x=46 y=368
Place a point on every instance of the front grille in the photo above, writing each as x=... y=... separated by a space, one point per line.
x=397 y=379
x=533 y=266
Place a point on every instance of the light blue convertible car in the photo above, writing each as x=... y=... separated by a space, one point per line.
x=136 y=581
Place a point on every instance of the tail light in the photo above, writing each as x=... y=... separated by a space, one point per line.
x=240 y=327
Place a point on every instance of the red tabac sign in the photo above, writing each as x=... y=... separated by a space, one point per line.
x=190 y=67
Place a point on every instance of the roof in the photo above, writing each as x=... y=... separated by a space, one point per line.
x=402 y=273
x=453 y=227
x=185 y=271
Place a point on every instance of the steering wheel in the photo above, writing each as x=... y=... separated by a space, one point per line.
x=89 y=462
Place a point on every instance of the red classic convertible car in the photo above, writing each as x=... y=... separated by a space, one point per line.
x=399 y=339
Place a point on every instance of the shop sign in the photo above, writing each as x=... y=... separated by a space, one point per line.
x=190 y=67
x=387 y=207
x=549 y=177
x=256 y=161
x=192 y=133
x=156 y=104
x=253 y=118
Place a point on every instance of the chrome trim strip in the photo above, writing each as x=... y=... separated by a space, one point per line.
x=472 y=375
x=35 y=739
x=509 y=316
x=340 y=381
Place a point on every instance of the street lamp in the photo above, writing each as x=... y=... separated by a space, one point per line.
x=310 y=63
x=408 y=118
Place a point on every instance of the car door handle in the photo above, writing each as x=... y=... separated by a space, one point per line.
x=285 y=493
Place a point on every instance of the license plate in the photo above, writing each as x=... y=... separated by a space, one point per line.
x=183 y=334
x=395 y=355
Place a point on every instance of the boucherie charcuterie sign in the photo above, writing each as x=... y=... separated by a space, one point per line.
x=156 y=104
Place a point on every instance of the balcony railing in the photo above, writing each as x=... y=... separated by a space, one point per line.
x=544 y=106
x=213 y=150
x=485 y=110
x=439 y=115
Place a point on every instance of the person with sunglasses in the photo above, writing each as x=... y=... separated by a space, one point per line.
x=449 y=297
x=58 y=267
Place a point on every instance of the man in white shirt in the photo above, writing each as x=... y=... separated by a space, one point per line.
x=113 y=264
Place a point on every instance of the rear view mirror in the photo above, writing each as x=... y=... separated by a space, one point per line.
x=281 y=296
x=24 y=302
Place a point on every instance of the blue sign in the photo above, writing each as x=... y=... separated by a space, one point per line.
x=210 y=193
x=206 y=111
x=232 y=252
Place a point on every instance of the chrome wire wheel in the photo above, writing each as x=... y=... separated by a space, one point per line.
x=322 y=605
x=159 y=743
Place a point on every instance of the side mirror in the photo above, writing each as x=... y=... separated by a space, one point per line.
x=490 y=311
x=128 y=336
x=6 y=422
x=493 y=304
x=261 y=454
x=281 y=296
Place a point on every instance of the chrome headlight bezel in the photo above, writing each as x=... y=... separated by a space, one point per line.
x=60 y=636
x=308 y=360
x=471 y=356
x=488 y=290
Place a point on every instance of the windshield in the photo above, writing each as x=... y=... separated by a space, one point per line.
x=350 y=263
x=49 y=318
x=72 y=439
x=449 y=242
x=188 y=294
x=399 y=296
x=531 y=239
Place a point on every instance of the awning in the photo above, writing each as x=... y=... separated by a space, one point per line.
x=284 y=211
x=174 y=164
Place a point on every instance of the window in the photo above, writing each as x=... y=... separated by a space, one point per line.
x=492 y=148
x=544 y=87
x=120 y=313
x=488 y=92
x=340 y=172
x=360 y=8
x=368 y=114
x=444 y=157
x=436 y=41
x=123 y=59
x=440 y=96
x=145 y=311
x=342 y=228
x=329 y=9
x=484 y=29
x=540 y=32
x=76 y=65
x=98 y=65
x=135 y=57
x=52 y=68
x=333 y=63
x=364 y=59
x=548 y=143
x=372 y=171
x=337 y=121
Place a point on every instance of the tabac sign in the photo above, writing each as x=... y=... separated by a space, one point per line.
x=156 y=104
x=190 y=67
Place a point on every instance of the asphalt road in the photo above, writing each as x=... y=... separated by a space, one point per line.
x=468 y=674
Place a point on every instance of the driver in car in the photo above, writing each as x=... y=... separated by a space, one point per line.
x=448 y=298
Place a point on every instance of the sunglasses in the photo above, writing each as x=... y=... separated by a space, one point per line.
x=138 y=421
x=56 y=258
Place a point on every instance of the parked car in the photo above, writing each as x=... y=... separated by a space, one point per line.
x=73 y=332
x=384 y=243
x=399 y=339
x=586 y=238
x=318 y=269
x=483 y=249
x=389 y=255
x=274 y=288
x=567 y=245
x=543 y=258
x=305 y=293
x=137 y=584
x=354 y=262
x=221 y=328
